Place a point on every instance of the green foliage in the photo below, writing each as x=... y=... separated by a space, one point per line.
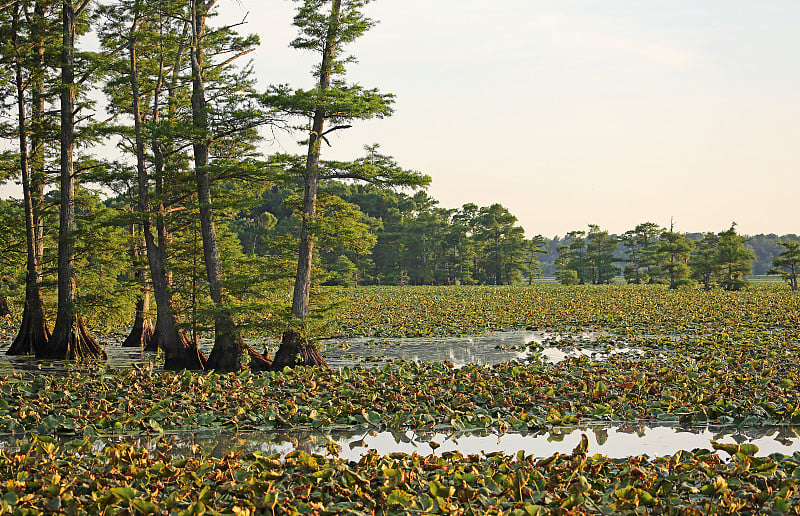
x=590 y=256
x=600 y=247
x=533 y=248
x=703 y=261
x=787 y=263
x=674 y=250
x=503 y=245
x=102 y=264
x=733 y=259
x=255 y=284
x=567 y=276
x=766 y=248
x=343 y=272
x=642 y=244
x=12 y=249
x=385 y=233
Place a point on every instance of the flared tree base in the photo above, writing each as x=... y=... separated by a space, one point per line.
x=231 y=353
x=73 y=343
x=259 y=361
x=154 y=345
x=141 y=333
x=181 y=354
x=296 y=350
x=33 y=334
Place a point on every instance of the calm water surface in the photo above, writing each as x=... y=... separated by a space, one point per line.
x=612 y=441
x=488 y=349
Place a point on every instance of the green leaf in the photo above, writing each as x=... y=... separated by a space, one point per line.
x=124 y=493
x=748 y=449
x=399 y=498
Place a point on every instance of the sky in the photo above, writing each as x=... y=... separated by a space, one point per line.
x=575 y=112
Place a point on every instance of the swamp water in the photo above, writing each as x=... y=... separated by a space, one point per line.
x=487 y=349
x=616 y=441
x=611 y=441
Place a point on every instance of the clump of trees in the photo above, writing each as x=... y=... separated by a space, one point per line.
x=787 y=263
x=411 y=239
x=657 y=256
x=184 y=110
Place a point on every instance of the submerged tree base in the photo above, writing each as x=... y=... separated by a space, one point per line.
x=141 y=334
x=33 y=334
x=295 y=350
x=182 y=354
x=76 y=343
x=231 y=352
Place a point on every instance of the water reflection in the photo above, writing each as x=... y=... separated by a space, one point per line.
x=487 y=349
x=615 y=442
x=611 y=441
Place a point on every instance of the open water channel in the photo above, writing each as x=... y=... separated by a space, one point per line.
x=612 y=440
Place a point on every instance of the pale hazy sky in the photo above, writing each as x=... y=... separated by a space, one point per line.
x=570 y=112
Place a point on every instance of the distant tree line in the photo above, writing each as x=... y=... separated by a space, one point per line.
x=393 y=238
x=386 y=237
x=651 y=254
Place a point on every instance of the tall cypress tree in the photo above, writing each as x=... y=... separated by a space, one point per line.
x=151 y=45
x=787 y=263
x=733 y=259
x=70 y=337
x=31 y=32
x=326 y=27
x=234 y=115
x=675 y=250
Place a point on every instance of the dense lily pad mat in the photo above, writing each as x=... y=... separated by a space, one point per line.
x=724 y=384
x=637 y=309
x=123 y=479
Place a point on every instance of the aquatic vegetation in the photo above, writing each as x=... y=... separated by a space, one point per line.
x=654 y=355
x=692 y=363
x=624 y=309
x=44 y=476
x=705 y=381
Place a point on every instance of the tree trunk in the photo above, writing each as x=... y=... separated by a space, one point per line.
x=34 y=332
x=293 y=345
x=70 y=337
x=497 y=275
x=143 y=329
x=230 y=353
x=179 y=351
x=294 y=341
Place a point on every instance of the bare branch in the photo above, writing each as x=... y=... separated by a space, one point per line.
x=83 y=5
x=8 y=4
